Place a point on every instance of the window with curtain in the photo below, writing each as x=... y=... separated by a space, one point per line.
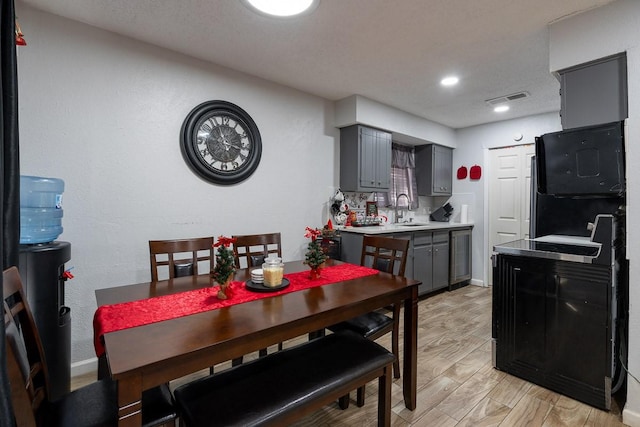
x=403 y=178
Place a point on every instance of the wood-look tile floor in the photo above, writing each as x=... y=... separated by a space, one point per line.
x=457 y=385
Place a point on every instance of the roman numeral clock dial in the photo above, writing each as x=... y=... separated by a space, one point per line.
x=221 y=142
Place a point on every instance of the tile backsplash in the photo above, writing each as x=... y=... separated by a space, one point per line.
x=358 y=202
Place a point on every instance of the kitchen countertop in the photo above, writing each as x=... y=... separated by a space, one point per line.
x=406 y=227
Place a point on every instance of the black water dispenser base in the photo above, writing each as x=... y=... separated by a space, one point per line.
x=41 y=267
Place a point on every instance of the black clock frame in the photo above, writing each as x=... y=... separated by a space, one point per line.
x=188 y=142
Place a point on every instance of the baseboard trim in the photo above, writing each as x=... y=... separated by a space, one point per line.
x=84 y=367
x=476 y=282
x=631 y=418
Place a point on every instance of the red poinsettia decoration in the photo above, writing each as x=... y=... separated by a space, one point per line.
x=224 y=241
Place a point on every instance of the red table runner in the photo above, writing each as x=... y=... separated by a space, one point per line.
x=114 y=317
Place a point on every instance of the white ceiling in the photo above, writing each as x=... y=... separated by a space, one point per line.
x=392 y=51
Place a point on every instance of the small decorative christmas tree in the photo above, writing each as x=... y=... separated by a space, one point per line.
x=225 y=265
x=315 y=256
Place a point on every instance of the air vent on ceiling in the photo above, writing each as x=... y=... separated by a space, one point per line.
x=507 y=98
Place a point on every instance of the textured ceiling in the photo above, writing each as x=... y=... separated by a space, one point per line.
x=392 y=51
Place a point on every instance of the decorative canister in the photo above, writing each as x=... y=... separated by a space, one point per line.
x=273 y=271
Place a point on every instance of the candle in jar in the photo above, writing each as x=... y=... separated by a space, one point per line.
x=273 y=271
x=273 y=276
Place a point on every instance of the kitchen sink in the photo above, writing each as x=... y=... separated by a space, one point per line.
x=412 y=224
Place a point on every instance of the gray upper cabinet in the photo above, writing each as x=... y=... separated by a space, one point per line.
x=434 y=170
x=365 y=159
x=594 y=93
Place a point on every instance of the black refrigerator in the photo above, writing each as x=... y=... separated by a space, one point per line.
x=42 y=268
x=560 y=297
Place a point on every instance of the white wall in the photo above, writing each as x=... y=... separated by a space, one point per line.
x=473 y=145
x=104 y=113
x=595 y=34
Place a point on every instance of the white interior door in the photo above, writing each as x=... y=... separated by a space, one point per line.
x=509 y=195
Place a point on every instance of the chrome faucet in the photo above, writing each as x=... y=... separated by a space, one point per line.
x=399 y=214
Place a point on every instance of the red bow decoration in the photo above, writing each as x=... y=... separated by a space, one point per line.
x=312 y=233
x=20 y=41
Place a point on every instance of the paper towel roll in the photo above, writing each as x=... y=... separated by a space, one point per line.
x=464 y=214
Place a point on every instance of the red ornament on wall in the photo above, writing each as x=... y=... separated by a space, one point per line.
x=462 y=172
x=475 y=172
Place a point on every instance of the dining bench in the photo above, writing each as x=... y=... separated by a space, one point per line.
x=287 y=385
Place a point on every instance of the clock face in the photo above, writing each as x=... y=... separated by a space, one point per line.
x=221 y=142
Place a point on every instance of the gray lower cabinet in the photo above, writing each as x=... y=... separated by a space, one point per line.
x=460 y=262
x=351 y=247
x=423 y=254
x=431 y=260
x=427 y=261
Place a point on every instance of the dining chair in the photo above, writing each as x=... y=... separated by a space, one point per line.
x=386 y=254
x=92 y=405
x=180 y=257
x=250 y=250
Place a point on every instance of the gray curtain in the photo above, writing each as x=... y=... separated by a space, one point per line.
x=9 y=178
x=403 y=176
x=403 y=179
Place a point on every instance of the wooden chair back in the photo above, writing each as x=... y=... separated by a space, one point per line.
x=26 y=364
x=386 y=254
x=250 y=250
x=181 y=257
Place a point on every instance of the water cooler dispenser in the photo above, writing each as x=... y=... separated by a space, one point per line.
x=41 y=264
x=41 y=268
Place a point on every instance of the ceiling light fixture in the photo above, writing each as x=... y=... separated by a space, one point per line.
x=501 y=108
x=282 y=8
x=449 y=81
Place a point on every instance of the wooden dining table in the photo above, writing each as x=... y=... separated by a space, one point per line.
x=143 y=357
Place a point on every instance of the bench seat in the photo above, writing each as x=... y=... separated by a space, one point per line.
x=285 y=386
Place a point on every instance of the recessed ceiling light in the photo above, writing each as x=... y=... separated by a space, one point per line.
x=501 y=108
x=449 y=81
x=282 y=8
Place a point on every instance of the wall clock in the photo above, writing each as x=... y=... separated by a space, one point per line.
x=221 y=142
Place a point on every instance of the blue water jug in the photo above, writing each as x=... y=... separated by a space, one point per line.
x=40 y=225
x=40 y=209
